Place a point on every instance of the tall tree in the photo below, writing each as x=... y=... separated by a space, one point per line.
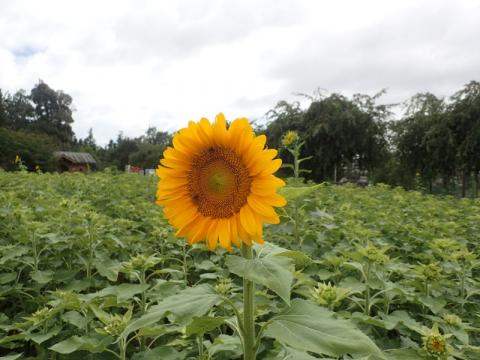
x=3 y=111
x=421 y=139
x=465 y=125
x=53 y=110
x=339 y=132
x=19 y=110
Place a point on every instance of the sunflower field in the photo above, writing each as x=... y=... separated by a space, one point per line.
x=90 y=269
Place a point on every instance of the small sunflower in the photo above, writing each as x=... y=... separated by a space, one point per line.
x=217 y=184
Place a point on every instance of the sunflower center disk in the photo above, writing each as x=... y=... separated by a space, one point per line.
x=219 y=183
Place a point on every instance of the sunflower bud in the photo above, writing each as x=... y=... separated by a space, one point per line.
x=429 y=272
x=224 y=286
x=290 y=138
x=329 y=295
x=452 y=319
x=374 y=254
x=435 y=344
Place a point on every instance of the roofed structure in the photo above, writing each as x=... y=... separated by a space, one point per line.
x=74 y=161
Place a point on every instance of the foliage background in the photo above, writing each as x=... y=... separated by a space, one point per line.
x=431 y=145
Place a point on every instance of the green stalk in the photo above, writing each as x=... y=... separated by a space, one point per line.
x=123 y=349
x=185 y=270
x=367 y=286
x=143 y=305
x=91 y=252
x=462 y=289
x=295 y=217
x=35 y=251
x=248 y=311
x=296 y=163
x=200 y=346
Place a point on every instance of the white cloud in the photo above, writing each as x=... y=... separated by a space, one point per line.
x=132 y=64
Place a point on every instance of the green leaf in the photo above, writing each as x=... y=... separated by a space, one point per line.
x=226 y=343
x=42 y=277
x=108 y=268
x=301 y=259
x=294 y=193
x=76 y=319
x=42 y=337
x=434 y=304
x=123 y=292
x=76 y=343
x=404 y=354
x=68 y=346
x=10 y=357
x=153 y=331
x=127 y=291
x=7 y=277
x=161 y=352
x=291 y=353
x=193 y=301
x=400 y=317
x=308 y=327
x=203 y=324
x=271 y=271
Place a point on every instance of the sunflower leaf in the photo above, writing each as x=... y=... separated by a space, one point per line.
x=188 y=303
x=308 y=327
x=271 y=271
x=203 y=324
x=292 y=193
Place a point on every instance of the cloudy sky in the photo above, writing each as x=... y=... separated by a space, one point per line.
x=133 y=64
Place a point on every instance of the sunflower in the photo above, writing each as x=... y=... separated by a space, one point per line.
x=217 y=184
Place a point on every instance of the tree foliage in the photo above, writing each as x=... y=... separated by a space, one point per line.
x=433 y=144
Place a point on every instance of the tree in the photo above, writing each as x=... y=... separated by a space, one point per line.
x=53 y=110
x=90 y=140
x=283 y=117
x=340 y=131
x=422 y=140
x=464 y=120
x=120 y=153
x=3 y=111
x=19 y=110
x=33 y=148
x=154 y=137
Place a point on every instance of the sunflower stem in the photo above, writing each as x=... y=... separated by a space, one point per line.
x=248 y=311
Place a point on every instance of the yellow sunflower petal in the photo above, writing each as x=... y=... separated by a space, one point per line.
x=260 y=207
x=174 y=164
x=234 y=232
x=163 y=172
x=205 y=131
x=272 y=167
x=186 y=228
x=200 y=231
x=275 y=200
x=220 y=130
x=247 y=218
x=224 y=234
x=254 y=149
x=238 y=129
x=262 y=161
x=242 y=233
x=212 y=235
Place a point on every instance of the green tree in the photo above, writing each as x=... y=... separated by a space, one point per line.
x=3 y=111
x=53 y=111
x=421 y=140
x=464 y=119
x=19 y=111
x=340 y=131
x=34 y=149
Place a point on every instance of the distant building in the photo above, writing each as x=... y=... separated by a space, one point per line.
x=74 y=161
